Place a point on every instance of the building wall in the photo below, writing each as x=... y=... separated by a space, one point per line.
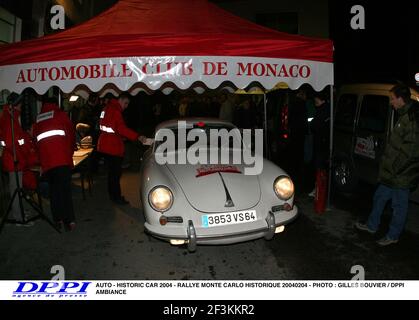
x=313 y=16
x=35 y=15
x=10 y=27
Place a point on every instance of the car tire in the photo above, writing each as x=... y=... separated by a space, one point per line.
x=344 y=175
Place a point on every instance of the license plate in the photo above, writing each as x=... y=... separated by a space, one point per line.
x=222 y=219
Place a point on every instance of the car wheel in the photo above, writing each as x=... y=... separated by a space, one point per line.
x=344 y=175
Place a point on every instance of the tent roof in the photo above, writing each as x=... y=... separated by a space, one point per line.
x=166 y=28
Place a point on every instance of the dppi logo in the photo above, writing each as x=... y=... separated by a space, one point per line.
x=63 y=289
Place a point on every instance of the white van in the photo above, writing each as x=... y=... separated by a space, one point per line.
x=363 y=123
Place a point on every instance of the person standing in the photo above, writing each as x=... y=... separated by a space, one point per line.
x=320 y=127
x=111 y=144
x=21 y=143
x=226 y=108
x=90 y=117
x=245 y=116
x=399 y=168
x=183 y=107
x=55 y=137
x=298 y=128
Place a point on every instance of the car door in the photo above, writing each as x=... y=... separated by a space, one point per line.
x=344 y=123
x=371 y=134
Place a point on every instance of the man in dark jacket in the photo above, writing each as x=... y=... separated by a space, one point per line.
x=320 y=127
x=298 y=128
x=399 y=167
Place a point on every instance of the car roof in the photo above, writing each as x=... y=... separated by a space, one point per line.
x=173 y=123
x=359 y=87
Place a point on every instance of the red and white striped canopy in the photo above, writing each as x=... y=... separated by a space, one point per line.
x=152 y=45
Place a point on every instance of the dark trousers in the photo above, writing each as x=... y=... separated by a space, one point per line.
x=114 y=164
x=59 y=180
x=399 y=202
x=296 y=161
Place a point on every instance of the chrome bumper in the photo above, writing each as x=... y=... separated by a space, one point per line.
x=192 y=239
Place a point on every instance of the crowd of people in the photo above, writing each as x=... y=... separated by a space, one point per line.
x=299 y=134
x=55 y=135
x=50 y=144
x=298 y=131
x=108 y=123
x=245 y=111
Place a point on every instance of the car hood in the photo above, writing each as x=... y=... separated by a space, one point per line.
x=217 y=188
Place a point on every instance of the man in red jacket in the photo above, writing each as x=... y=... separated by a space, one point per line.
x=111 y=144
x=55 y=138
x=22 y=145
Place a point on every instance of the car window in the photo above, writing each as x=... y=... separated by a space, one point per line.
x=233 y=141
x=346 y=110
x=374 y=113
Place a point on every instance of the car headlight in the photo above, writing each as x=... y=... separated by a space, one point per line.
x=160 y=198
x=283 y=187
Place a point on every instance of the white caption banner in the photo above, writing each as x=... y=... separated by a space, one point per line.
x=208 y=290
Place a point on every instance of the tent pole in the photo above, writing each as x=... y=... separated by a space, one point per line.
x=330 y=145
x=59 y=98
x=265 y=124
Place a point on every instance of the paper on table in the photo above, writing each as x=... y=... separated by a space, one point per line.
x=81 y=152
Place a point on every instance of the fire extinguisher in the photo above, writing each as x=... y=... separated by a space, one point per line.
x=321 y=191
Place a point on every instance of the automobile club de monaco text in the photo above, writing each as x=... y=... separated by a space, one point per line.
x=185 y=68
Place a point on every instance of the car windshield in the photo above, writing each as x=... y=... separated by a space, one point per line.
x=202 y=135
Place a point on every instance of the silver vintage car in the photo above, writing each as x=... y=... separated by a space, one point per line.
x=212 y=203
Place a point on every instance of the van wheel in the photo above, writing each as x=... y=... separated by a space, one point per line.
x=344 y=175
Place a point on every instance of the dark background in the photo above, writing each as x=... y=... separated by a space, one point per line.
x=386 y=50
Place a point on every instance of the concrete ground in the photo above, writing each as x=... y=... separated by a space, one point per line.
x=109 y=243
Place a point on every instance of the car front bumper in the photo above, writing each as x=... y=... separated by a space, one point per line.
x=193 y=235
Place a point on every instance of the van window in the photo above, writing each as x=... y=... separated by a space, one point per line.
x=374 y=113
x=346 y=110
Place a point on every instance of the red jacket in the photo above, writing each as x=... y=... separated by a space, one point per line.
x=55 y=136
x=22 y=141
x=113 y=129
